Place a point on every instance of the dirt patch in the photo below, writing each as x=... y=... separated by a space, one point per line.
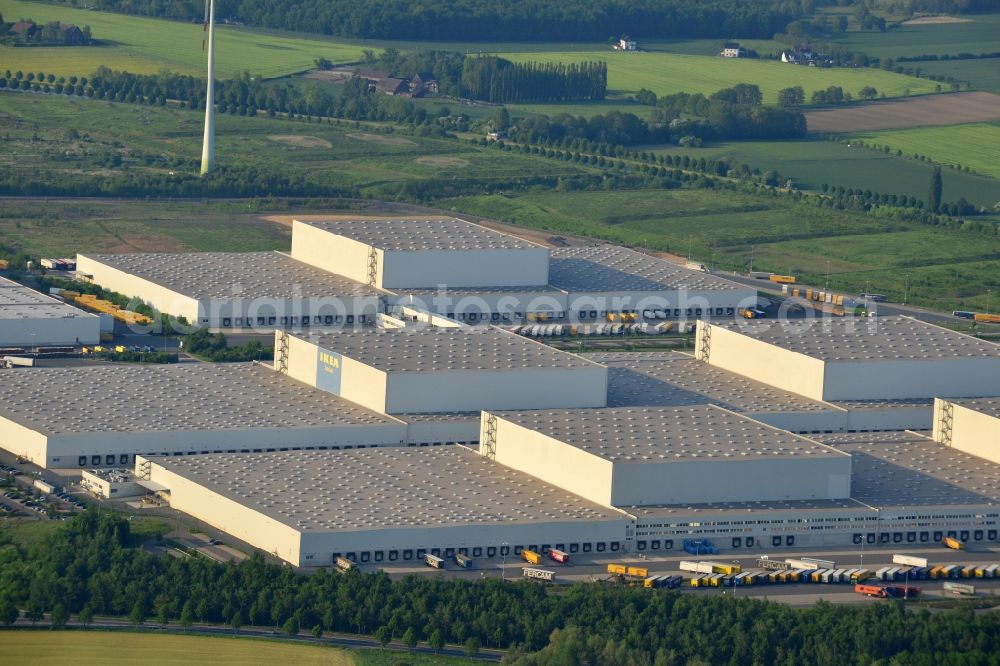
x=952 y=109
x=300 y=141
x=936 y=20
x=441 y=161
x=384 y=140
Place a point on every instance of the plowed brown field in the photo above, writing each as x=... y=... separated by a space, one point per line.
x=953 y=109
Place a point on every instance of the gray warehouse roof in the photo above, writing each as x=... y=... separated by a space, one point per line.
x=204 y=275
x=672 y=379
x=874 y=338
x=445 y=349
x=371 y=489
x=20 y=302
x=893 y=470
x=988 y=406
x=184 y=397
x=422 y=234
x=610 y=268
x=664 y=434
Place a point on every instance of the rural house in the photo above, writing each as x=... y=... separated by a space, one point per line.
x=393 y=86
x=733 y=52
x=70 y=34
x=23 y=29
x=423 y=82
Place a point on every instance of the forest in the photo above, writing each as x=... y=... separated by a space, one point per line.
x=93 y=565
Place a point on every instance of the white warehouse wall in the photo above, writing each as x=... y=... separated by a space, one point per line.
x=737 y=480
x=523 y=388
x=227 y=515
x=906 y=378
x=22 y=441
x=672 y=298
x=972 y=432
x=83 y=329
x=333 y=253
x=322 y=545
x=427 y=269
x=760 y=361
x=64 y=450
x=550 y=460
x=154 y=295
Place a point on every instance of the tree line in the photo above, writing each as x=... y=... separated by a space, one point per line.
x=94 y=565
x=501 y=81
x=482 y=20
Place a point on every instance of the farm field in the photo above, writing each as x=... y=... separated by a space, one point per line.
x=83 y=648
x=147 y=45
x=976 y=146
x=948 y=109
x=812 y=162
x=720 y=228
x=982 y=74
x=977 y=35
x=666 y=73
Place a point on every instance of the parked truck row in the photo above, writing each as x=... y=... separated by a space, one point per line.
x=586 y=330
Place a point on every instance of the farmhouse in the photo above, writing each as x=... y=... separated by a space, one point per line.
x=733 y=52
x=71 y=35
x=423 y=82
x=23 y=28
x=393 y=86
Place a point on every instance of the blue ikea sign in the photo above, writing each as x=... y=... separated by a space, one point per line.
x=328 y=370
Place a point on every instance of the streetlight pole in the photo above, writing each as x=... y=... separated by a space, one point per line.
x=503 y=567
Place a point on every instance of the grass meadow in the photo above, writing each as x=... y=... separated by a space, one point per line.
x=85 y=648
x=666 y=73
x=976 y=145
x=977 y=34
x=147 y=45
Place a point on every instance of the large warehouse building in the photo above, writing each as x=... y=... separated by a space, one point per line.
x=608 y=278
x=380 y=504
x=643 y=456
x=441 y=370
x=420 y=253
x=235 y=290
x=105 y=415
x=342 y=271
x=673 y=379
x=883 y=358
x=31 y=319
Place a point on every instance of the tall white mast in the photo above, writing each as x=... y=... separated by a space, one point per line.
x=208 y=145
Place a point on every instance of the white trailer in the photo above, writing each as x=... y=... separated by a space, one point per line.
x=822 y=564
x=697 y=567
x=909 y=560
x=802 y=564
x=17 y=361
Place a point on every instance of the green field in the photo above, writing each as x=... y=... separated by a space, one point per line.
x=148 y=45
x=81 y=648
x=976 y=145
x=666 y=73
x=978 y=35
x=983 y=74
x=946 y=268
x=812 y=162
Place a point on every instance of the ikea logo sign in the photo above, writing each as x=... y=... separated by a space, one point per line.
x=328 y=368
